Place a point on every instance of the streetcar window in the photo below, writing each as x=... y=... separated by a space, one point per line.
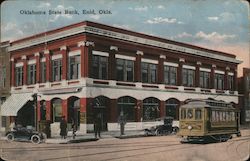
x=227 y=116
x=213 y=116
x=217 y=116
x=223 y=116
x=183 y=113
x=197 y=114
x=233 y=116
x=190 y=113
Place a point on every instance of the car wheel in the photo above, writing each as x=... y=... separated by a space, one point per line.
x=158 y=132
x=35 y=139
x=10 y=137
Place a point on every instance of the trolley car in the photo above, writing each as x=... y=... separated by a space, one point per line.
x=208 y=121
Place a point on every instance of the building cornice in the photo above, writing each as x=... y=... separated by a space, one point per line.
x=120 y=36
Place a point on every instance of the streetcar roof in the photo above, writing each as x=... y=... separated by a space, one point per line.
x=207 y=103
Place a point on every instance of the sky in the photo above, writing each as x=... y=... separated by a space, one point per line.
x=221 y=25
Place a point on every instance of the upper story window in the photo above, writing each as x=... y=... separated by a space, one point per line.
x=74 y=67
x=3 y=76
x=149 y=72
x=43 y=72
x=170 y=75
x=218 y=81
x=57 y=70
x=19 y=76
x=99 y=67
x=125 y=70
x=31 y=73
x=204 y=79
x=188 y=77
x=230 y=80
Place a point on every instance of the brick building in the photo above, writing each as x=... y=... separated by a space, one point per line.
x=4 y=79
x=88 y=68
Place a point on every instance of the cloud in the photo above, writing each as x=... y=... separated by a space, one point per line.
x=158 y=20
x=95 y=17
x=213 y=18
x=122 y=26
x=44 y=5
x=214 y=36
x=11 y=31
x=145 y=8
x=183 y=35
x=161 y=7
x=62 y=15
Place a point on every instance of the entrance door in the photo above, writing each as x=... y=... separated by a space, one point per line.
x=100 y=108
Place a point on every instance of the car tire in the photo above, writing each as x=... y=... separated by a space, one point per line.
x=10 y=137
x=35 y=139
x=158 y=132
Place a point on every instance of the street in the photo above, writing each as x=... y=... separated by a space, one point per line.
x=160 y=148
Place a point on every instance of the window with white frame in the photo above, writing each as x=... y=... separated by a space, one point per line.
x=57 y=70
x=31 y=74
x=19 y=76
x=74 y=67
x=99 y=67
x=149 y=72
x=124 y=70
x=188 y=77
x=219 y=81
x=170 y=75
x=204 y=79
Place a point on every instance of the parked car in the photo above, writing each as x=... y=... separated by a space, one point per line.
x=24 y=134
x=165 y=129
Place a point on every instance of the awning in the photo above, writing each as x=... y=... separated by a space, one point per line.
x=14 y=103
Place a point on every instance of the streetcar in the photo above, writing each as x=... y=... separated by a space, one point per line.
x=208 y=121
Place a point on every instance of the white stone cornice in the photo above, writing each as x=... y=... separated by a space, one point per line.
x=90 y=43
x=114 y=48
x=46 y=51
x=37 y=54
x=63 y=48
x=181 y=60
x=162 y=56
x=81 y=43
x=24 y=57
x=139 y=52
x=213 y=66
x=198 y=63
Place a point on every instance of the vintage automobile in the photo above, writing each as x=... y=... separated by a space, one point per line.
x=165 y=129
x=24 y=134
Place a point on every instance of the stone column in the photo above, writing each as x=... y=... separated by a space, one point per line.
x=25 y=75
x=37 y=55
x=64 y=53
x=197 y=74
x=138 y=66
x=112 y=63
x=161 y=69
x=48 y=65
x=179 y=72
x=162 y=108
x=113 y=110
x=13 y=72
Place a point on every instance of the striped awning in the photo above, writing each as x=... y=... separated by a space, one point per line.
x=14 y=103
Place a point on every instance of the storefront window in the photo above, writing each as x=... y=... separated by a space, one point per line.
x=57 y=110
x=150 y=109
x=172 y=108
x=127 y=106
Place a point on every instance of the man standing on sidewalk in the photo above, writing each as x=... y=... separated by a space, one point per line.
x=97 y=125
x=122 y=122
x=63 y=128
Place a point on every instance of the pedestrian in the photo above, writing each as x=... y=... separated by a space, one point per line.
x=74 y=129
x=63 y=128
x=122 y=122
x=97 y=125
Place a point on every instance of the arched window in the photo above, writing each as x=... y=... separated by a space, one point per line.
x=74 y=110
x=172 y=108
x=127 y=106
x=150 y=109
x=57 y=109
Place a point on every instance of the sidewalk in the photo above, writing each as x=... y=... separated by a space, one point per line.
x=91 y=137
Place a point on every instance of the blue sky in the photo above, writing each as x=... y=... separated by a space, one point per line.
x=216 y=24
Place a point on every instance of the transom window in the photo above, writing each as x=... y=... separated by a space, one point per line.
x=99 y=67
x=149 y=72
x=170 y=75
x=125 y=70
